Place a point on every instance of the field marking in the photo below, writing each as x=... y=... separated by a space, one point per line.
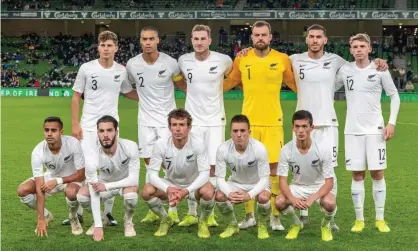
x=403 y=123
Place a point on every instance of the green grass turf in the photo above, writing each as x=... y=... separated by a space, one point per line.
x=21 y=130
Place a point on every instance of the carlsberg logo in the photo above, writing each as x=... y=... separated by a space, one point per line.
x=341 y=15
x=65 y=15
x=379 y=15
x=103 y=15
x=178 y=15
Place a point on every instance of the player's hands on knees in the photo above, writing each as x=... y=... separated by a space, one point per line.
x=389 y=132
x=98 y=187
x=244 y=52
x=381 y=64
x=48 y=186
x=41 y=229
x=98 y=234
x=236 y=197
x=299 y=203
x=77 y=132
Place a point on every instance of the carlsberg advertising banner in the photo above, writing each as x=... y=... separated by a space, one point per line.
x=186 y=14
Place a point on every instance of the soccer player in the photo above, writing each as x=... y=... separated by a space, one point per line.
x=100 y=81
x=117 y=161
x=247 y=159
x=204 y=71
x=64 y=162
x=365 y=132
x=183 y=156
x=262 y=72
x=315 y=72
x=313 y=176
x=153 y=73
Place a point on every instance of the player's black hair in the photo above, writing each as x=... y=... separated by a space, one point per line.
x=180 y=113
x=108 y=118
x=302 y=115
x=240 y=118
x=149 y=28
x=54 y=119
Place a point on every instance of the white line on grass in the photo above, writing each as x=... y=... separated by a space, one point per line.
x=403 y=123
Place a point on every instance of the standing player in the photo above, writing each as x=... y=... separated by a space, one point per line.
x=204 y=71
x=64 y=161
x=365 y=133
x=247 y=159
x=313 y=176
x=117 y=161
x=183 y=156
x=153 y=72
x=100 y=81
x=315 y=72
x=262 y=73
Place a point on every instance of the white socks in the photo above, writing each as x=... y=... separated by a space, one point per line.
x=379 y=196
x=130 y=201
x=357 y=194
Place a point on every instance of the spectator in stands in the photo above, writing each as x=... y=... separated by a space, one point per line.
x=409 y=87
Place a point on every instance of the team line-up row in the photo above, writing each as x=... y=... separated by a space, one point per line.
x=191 y=160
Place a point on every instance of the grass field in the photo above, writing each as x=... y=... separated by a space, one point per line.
x=22 y=129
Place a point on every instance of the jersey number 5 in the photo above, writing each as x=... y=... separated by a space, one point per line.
x=94 y=82
x=301 y=74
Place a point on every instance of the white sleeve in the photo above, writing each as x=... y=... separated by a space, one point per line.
x=327 y=165
x=203 y=167
x=126 y=86
x=80 y=80
x=174 y=67
x=78 y=155
x=37 y=165
x=263 y=162
x=201 y=179
x=293 y=57
x=339 y=81
x=154 y=166
x=228 y=64
x=95 y=207
x=262 y=184
x=134 y=166
x=392 y=92
x=340 y=61
x=130 y=76
x=220 y=168
x=91 y=168
x=283 y=169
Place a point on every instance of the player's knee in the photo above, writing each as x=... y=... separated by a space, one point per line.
x=263 y=198
x=280 y=203
x=148 y=191
x=377 y=174
x=71 y=191
x=24 y=190
x=358 y=175
x=328 y=203
x=220 y=197
x=207 y=191
x=131 y=200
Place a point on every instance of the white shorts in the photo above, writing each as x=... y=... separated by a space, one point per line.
x=89 y=142
x=110 y=193
x=214 y=136
x=147 y=136
x=234 y=186
x=306 y=191
x=365 y=149
x=60 y=188
x=327 y=135
x=191 y=196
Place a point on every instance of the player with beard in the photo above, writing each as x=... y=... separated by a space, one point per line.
x=154 y=73
x=262 y=72
x=100 y=81
x=117 y=162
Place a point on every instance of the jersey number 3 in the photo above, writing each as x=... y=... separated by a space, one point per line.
x=94 y=86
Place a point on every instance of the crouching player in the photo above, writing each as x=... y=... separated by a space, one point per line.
x=247 y=158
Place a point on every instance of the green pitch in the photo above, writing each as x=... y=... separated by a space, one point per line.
x=22 y=129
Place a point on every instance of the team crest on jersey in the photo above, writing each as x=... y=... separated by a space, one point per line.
x=68 y=158
x=189 y=158
x=211 y=70
x=371 y=78
x=273 y=66
x=161 y=73
x=327 y=65
x=117 y=78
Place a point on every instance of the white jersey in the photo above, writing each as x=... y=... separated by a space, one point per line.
x=246 y=168
x=113 y=168
x=204 y=99
x=363 y=90
x=101 y=88
x=155 y=87
x=181 y=166
x=315 y=81
x=310 y=169
x=69 y=159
